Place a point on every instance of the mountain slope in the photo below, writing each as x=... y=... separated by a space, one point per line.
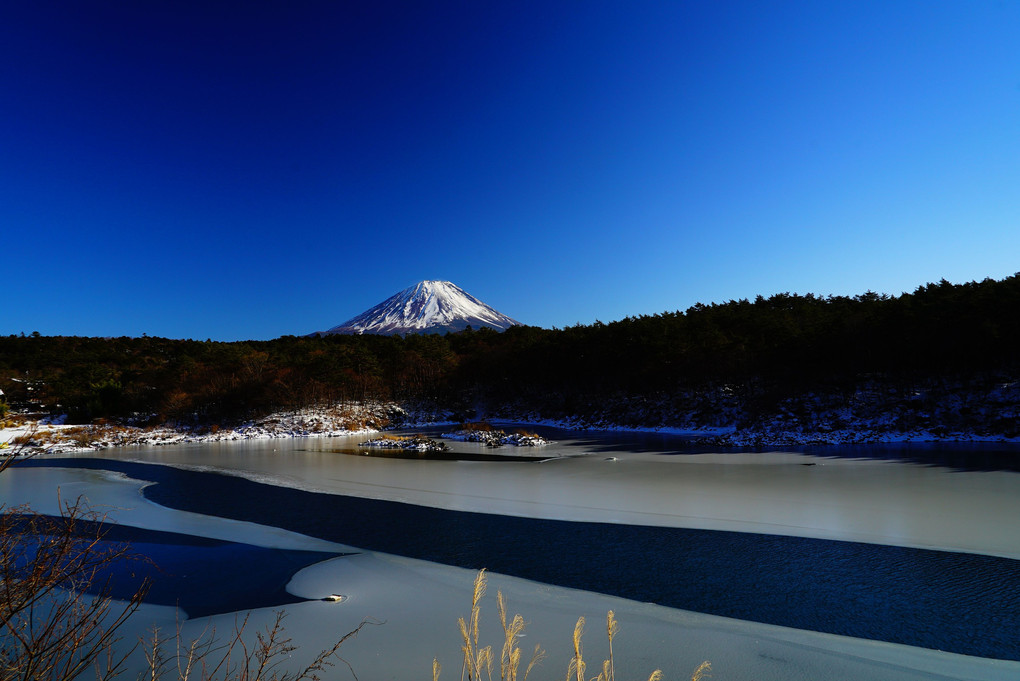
x=426 y=307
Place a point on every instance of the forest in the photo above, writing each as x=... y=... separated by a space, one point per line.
x=772 y=347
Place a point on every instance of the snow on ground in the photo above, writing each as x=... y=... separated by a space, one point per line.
x=808 y=422
x=496 y=437
x=764 y=435
x=52 y=435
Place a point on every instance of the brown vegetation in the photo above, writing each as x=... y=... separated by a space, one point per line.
x=477 y=426
x=479 y=662
x=356 y=417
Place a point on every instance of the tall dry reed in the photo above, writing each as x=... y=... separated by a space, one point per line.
x=478 y=660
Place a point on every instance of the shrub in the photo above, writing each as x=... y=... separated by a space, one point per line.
x=481 y=426
x=50 y=627
x=82 y=438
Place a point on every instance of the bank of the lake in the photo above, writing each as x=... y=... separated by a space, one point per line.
x=871 y=416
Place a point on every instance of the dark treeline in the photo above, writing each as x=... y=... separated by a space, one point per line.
x=790 y=342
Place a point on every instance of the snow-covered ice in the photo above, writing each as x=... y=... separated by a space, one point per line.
x=416 y=604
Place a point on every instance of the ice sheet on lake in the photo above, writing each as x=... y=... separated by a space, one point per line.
x=417 y=604
x=883 y=502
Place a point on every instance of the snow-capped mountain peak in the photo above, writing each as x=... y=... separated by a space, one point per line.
x=426 y=307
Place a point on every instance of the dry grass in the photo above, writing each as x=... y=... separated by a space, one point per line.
x=352 y=417
x=478 y=662
x=86 y=437
x=82 y=437
x=12 y=420
x=510 y=658
x=478 y=659
x=702 y=671
x=27 y=440
x=480 y=426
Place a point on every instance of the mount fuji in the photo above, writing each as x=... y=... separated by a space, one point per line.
x=426 y=307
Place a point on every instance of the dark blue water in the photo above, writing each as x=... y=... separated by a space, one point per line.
x=200 y=576
x=958 y=602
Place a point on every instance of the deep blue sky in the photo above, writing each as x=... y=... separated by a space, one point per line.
x=249 y=170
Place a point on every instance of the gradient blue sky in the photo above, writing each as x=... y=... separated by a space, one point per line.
x=249 y=170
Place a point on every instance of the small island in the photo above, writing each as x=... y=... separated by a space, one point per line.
x=418 y=443
x=493 y=437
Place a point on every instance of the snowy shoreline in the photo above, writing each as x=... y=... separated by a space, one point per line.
x=730 y=436
x=872 y=412
x=53 y=436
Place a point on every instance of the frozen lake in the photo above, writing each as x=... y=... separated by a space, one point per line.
x=855 y=563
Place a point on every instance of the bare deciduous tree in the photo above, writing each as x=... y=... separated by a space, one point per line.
x=51 y=626
x=57 y=618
